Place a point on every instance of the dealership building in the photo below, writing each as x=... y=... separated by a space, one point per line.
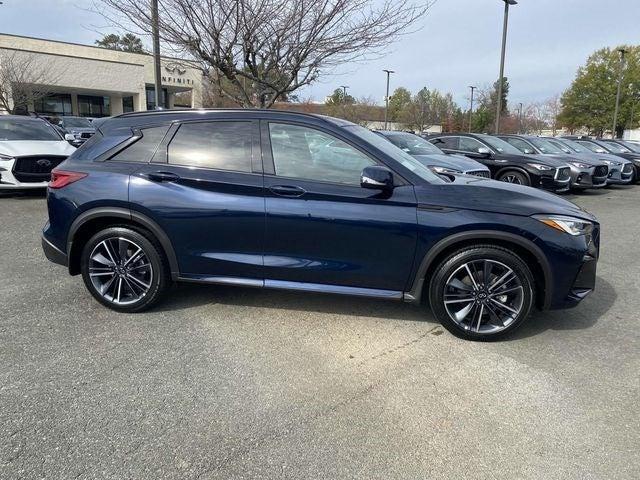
x=91 y=81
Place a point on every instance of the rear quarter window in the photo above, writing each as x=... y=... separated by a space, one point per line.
x=143 y=149
x=97 y=145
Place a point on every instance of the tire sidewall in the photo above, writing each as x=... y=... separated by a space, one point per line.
x=457 y=259
x=158 y=282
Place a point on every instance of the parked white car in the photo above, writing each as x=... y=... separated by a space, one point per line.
x=30 y=148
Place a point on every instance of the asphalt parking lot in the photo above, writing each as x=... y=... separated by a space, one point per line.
x=241 y=383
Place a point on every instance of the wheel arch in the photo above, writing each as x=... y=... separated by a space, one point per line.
x=516 y=169
x=87 y=223
x=526 y=249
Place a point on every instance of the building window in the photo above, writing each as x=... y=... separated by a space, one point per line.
x=93 y=106
x=127 y=104
x=151 y=98
x=56 y=104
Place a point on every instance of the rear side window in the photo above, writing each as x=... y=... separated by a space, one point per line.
x=447 y=143
x=218 y=145
x=97 y=145
x=144 y=148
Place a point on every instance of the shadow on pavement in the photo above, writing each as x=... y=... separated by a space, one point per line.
x=581 y=317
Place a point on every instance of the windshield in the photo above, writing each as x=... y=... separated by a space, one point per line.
x=500 y=145
x=412 y=144
x=545 y=146
x=634 y=147
x=77 y=122
x=594 y=147
x=614 y=147
x=575 y=146
x=18 y=129
x=394 y=152
x=561 y=146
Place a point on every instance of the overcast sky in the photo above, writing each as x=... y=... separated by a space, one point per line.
x=458 y=44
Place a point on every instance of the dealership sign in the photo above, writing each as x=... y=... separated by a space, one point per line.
x=177 y=71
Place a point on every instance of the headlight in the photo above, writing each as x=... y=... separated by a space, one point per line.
x=437 y=169
x=5 y=158
x=580 y=165
x=542 y=168
x=571 y=225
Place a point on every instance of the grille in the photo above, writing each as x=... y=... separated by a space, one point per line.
x=564 y=173
x=601 y=171
x=36 y=168
x=479 y=173
x=628 y=168
x=86 y=135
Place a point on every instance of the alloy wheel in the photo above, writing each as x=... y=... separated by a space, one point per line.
x=510 y=178
x=484 y=296
x=120 y=270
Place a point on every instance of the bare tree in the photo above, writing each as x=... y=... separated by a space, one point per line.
x=22 y=80
x=259 y=51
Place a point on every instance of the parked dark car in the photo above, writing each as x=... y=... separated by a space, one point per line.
x=294 y=201
x=507 y=163
x=81 y=128
x=598 y=146
x=432 y=157
x=615 y=164
x=585 y=172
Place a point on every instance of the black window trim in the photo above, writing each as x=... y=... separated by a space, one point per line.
x=269 y=164
x=136 y=135
x=162 y=152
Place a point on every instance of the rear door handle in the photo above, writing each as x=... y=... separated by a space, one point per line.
x=163 y=177
x=287 y=190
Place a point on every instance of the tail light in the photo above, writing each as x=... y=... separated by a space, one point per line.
x=62 y=178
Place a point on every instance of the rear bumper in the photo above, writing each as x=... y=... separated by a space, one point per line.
x=53 y=253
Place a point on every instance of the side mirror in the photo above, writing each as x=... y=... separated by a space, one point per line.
x=484 y=152
x=377 y=178
x=69 y=137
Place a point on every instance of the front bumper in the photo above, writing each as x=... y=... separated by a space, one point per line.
x=552 y=184
x=582 y=178
x=620 y=174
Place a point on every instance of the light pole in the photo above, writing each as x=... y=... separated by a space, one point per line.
x=504 y=46
x=615 y=113
x=156 y=52
x=520 y=117
x=471 y=106
x=344 y=93
x=386 y=99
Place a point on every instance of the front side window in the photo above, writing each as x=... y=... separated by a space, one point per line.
x=144 y=148
x=219 y=145
x=468 y=144
x=302 y=152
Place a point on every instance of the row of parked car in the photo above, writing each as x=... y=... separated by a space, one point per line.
x=558 y=164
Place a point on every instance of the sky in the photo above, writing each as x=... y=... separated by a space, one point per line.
x=457 y=45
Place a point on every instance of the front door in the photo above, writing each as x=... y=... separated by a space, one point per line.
x=321 y=226
x=204 y=188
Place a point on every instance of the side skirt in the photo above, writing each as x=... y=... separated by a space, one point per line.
x=298 y=286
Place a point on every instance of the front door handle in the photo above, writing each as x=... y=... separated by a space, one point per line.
x=163 y=177
x=287 y=190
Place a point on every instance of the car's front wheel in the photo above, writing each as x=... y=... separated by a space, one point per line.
x=513 y=176
x=124 y=270
x=482 y=293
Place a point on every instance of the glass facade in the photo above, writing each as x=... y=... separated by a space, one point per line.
x=93 y=106
x=127 y=104
x=151 y=98
x=55 y=104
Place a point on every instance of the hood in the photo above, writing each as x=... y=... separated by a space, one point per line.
x=580 y=158
x=551 y=160
x=476 y=193
x=456 y=162
x=20 y=148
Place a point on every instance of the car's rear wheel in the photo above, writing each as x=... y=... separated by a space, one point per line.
x=482 y=293
x=124 y=270
x=513 y=176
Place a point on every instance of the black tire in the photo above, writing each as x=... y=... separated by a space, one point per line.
x=150 y=266
x=496 y=303
x=513 y=176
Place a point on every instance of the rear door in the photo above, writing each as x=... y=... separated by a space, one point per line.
x=204 y=187
x=322 y=227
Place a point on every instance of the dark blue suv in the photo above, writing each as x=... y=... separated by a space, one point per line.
x=286 y=200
